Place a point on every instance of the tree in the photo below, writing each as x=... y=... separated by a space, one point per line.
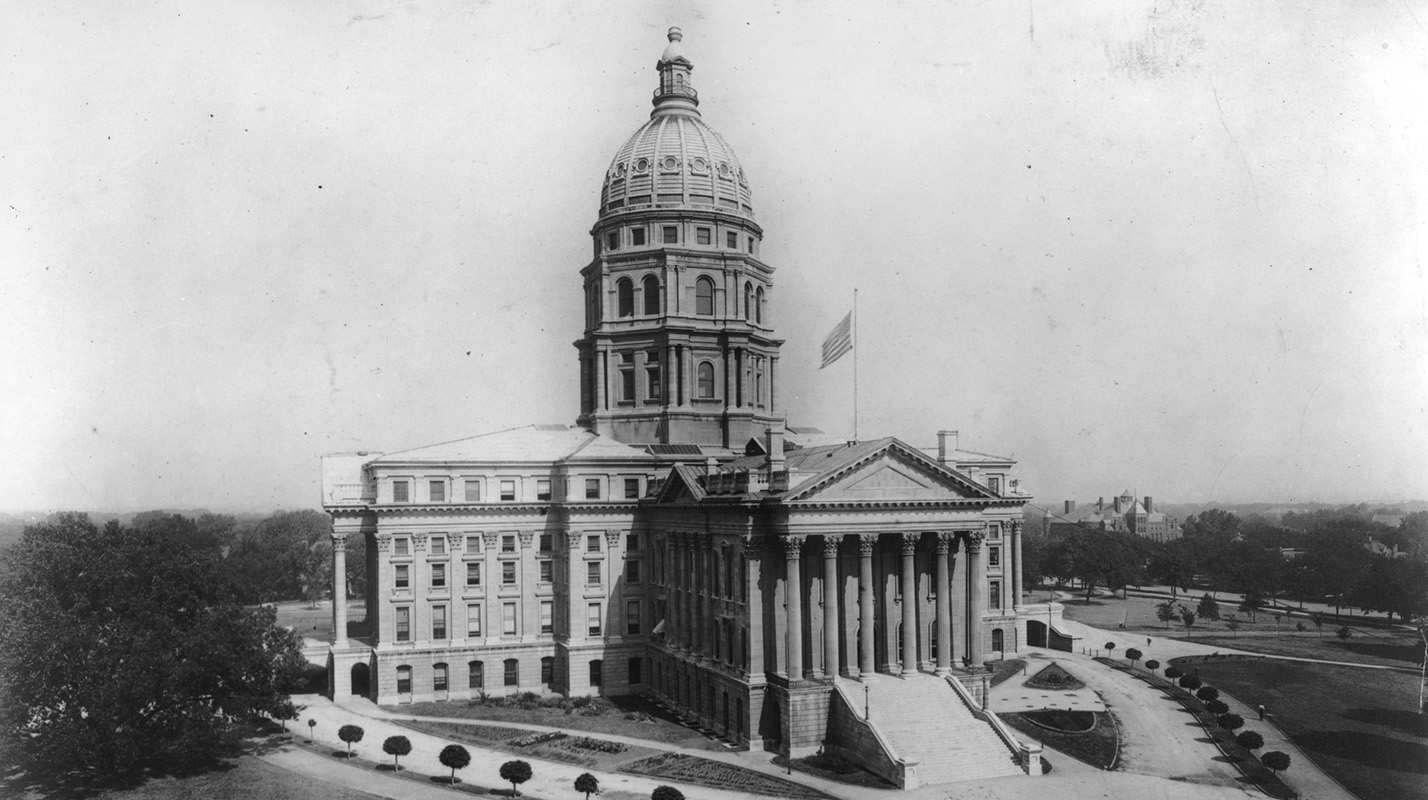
x=286 y=556
x=1152 y=665
x=1133 y=655
x=666 y=793
x=1189 y=682
x=1394 y=586
x=1110 y=647
x=1211 y=524
x=1250 y=740
x=1230 y=722
x=1207 y=693
x=1251 y=602
x=1216 y=707
x=1188 y=617
x=515 y=773
x=123 y=648
x=1166 y=612
x=1175 y=564
x=457 y=757
x=351 y=734
x=1172 y=672
x=1275 y=760
x=1208 y=608
x=587 y=783
x=1277 y=617
x=1344 y=632
x=1318 y=620
x=1233 y=625
x=396 y=747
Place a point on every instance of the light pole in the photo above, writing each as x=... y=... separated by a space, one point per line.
x=867 y=714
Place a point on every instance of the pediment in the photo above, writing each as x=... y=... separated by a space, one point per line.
x=891 y=477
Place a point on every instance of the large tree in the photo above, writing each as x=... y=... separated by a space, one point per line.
x=121 y=648
x=1394 y=586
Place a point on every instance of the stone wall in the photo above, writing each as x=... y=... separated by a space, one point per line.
x=851 y=737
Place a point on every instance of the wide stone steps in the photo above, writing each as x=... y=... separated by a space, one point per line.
x=924 y=719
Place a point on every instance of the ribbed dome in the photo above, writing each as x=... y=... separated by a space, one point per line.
x=676 y=160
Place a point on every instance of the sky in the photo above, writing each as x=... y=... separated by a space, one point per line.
x=1171 y=246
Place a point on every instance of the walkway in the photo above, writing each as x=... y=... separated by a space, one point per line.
x=1012 y=695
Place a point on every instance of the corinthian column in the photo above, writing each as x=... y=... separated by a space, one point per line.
x=339 y=588
x=793 y=596
x=909 y=604
x=944 y=604
x=866 y=543
x=1016 y=563
x=830 y=605
x=976 y=595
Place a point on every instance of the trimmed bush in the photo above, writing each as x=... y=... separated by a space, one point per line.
x=1190 y=682
x=1275 y=760
x=456 y=757
x=1172 y=672
x=1152 y=665
x=396 y=747
x=1208 y=693
x=666 y=793
x=1250 y=740
x=515 y=773
x=1231 y=722
x=351 y=734
x=1133 y=655
x=587 y=783
x=1216 y=707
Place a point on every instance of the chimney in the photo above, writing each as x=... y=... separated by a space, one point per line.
x=942 y=450
x=1100 y=503
x=1117 y=501
x=774 y=445
x=1070 y=506
x=1148 y=507
x=711 y=466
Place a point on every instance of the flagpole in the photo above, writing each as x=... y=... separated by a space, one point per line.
x=855 y=363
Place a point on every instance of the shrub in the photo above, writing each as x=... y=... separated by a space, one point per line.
x=1275 y=760
x=1172 y=672
x=1343 y=633
x=1299 y=626
x=1208 y=693
x=396 y=747
x=515 y=773
x=351 y=734
x=587 y=783
x=1152 y=665
x=1216 y=707
x=456 y=757
x=1110 y=647
x=1207 y=608
x=666 y=793
x=598 y=745
x=1133 y=655
x=1250 y=740
x=1231 y=722
x=1190 y=682
x=1188 y=617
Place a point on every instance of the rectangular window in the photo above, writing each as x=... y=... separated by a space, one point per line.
x=671 y=234
x=731 y=239
x=994 y=531
x=547 y=670
x=994 y=556
x=404 y=624
x=437 y=491
x=513 y=672
x=751 y=244
x=702 y=235
x=547 y=542
x=508 y=573
x=632 y=488
x=542 y=488
x=632 y=572
x=438 y=545
x=401 y=546
x=994 y=595
x=473 y=491
x=401 y=492
x=403 y=577
x=508 y=491
x=547 y=616
x=652 y=384
x=508 y=619
x=404 y=680
x=632 y=618
x=438 y=678
x=477 y=675
x=612 y=240
x=473 y=573
x=438 y=622
x=627 y=382
x=508 y=543
x=592 y=543
x=592 y=573
x=473 y=543
x=637 y=237
x=438 y=576
x=632 y=540
x=473 y=621
x=547 y=571
x=592 y=488
x=995 y=484
x=592 y=618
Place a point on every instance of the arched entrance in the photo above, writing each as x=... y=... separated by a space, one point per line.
x=361 y=679
x=998 y=640
x=1036 y=633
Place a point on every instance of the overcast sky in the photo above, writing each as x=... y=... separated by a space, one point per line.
x=1174 y=246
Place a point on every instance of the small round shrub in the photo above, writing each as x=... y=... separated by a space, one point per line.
x=1133 y=655
x=1190 y=682
x=1152 y=665
x=1275 y=760
x=1231 y=722
x=351 y=734
x=1172 y=672
x=666 y=793
x=1250 y=740
x=1208 y=693
x=1216 y=707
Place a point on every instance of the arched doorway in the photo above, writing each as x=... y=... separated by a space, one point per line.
x=998 y=640
x=1036 y=633
x=361 y=679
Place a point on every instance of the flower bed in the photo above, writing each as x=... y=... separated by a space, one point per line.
x=530 y=740
x=718 y=775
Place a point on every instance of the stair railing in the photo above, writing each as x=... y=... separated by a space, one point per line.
x=1027 y=754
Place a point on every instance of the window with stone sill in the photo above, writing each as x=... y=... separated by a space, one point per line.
x=542 y=488
x=592 y=543
x=473 y=621
x=473 y=574
x=592 y=488
x=547 y=542
x=592 y=573
x=513 y=672
x=436 y=491
x=472 y=491
x=637 y=237
x=401 y=577
x=671 y=234
x=508 y=544
x=476 y=675
x=438 y=545
x=438 y=622
x=547 y=572
x=401 y=492
x=632 y=488
x=438 y=576
x=731 y=240
x=404 y=623
x=404 y=680
x=508 y=573
x=994 y=556
x=508 y=619
x=508 y=491
x=703 y=236
x=401 y=546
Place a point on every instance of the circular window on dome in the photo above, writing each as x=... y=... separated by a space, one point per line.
x=742 y=180
x=699 y=165
x=642 y=165
x=620 y=169
x=725 y=171
x=669 y=164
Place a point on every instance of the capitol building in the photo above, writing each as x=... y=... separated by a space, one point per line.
x=681 y=540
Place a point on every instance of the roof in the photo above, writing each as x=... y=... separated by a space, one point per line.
x=528 y=443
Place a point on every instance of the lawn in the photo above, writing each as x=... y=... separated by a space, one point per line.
x=1381 y=648
x=1089 y=736
x=316 y=622
x=1358 y=724
x=244 y=777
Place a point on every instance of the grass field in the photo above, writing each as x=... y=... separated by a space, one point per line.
x=1358 y=724
x=244 y=777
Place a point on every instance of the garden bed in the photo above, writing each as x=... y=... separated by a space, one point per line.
x=835 y=768
x=1099 y=745
x=718 y=775
x=559 y=746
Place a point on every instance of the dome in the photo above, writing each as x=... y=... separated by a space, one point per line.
x=675 y=160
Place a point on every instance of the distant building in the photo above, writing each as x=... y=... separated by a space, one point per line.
x=1124 y=514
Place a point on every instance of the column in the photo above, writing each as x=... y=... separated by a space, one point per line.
x=706 y=584
x=574 y=594
x=793 y=606
x=773 y=395
x=753 y=556
x=866 y=543
x=686 y=376
x=599 y=389
x=909 y=604
x=976 y=595
x=830 y=605
x=943 y=588
x=1016 y=563
x=339 y=588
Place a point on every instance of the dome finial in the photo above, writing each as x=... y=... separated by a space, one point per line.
x=676 y=35
x=674 y=93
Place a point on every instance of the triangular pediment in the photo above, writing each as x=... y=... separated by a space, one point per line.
x=892 y=475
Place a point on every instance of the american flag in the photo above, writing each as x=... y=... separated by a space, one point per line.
x=839 y=342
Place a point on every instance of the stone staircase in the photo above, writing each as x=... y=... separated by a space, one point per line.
x=922 y=718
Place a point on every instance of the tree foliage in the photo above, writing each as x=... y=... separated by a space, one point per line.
x=1250 y=740
x=396 y=747
x=1207 y=693
x=457 y=757
x=1230 y=722
x=350 y=734
x=1275 y=760
x=1152 y=665
x=1167 y=612
x=121 y=648
x=1216 y=707
x=666 y=793
x=1207 y=608
x=1133 y=655
x=587 y=783
x=286 y=556
x=515 y=773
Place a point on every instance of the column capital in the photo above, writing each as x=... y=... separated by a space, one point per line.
x=418 y=542
x=830 y=545
x=792 y=547
x=946 y=542
x=1016 y=527
x=909 y=543
x=384 y=542
x=612 y=538
x=867 y=542
x=572 y=540
x=752 y=546
x=339 y=540
x=974 y=540
x=526 y=538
